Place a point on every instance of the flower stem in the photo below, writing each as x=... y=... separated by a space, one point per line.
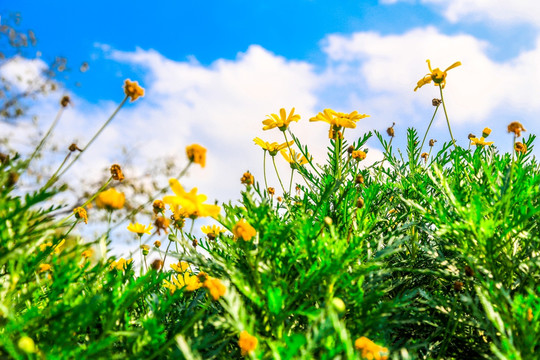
x=277 y=173
x=290 y=183
x=53 y=180
x=429 y=127
x=446 y=115
x=264 y=170
x=42 y=142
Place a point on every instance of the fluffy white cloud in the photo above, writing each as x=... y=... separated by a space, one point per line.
x=382 y=71
x=499 y=11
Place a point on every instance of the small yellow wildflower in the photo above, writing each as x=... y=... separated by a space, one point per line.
x=244 y=230
x=338 y=120
x=88 y=253
x=212 y=231
x=425 y=156
x=157 y=243
x=197 y=154
x=181 y=267
x=437 y=76
x=111 y=199
x=247 y=179
x=272 y=148
x=187 y=281
x=140 y=228
x=271 y=191
x=530 y=314
x=370 y=350
x=486 y=132
x=116 y=172
x=80 y=213
x=120 y=264
x=294 y=159
x=44 y=267
x=215 y=287
x=190 y=203
x=133 y=90
x=516 y=128
x=480 y=142
x=170 y=286
x=520 y=147
x=358 y=155
x=247 y=343
x=282 y=121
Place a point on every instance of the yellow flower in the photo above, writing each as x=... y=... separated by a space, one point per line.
x=191 y=203
x=244 y=230
x=370 y=350
x=338 y=120
x=516 y=128
x=197 y=154
x=80 y=213
x=272 y=148
x=247 y=343
x=480 y=142
x=520 y=147
x=181 y=267
x=140 y=228
x=437 y=76
x=133 y=90
x=121 y=264
x=170 y=286
x=44 y=267
x=282 y=121
x=247 y=178
x=530 y=315
x=358 y=155
x=187 y=281
x=215 y=287
x=212 y=231
x=486 y=132
x=111 y=199
x=87 y=253
x=294 y=158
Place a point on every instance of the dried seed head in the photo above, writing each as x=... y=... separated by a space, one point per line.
x=458 y=285
x=195 y=242
x=271 y=191
x=360 y=203
x=350 y=149
x=520 y=147
x=436 y=102
x=73 y=147
x=116 y=172
x=432 y=142
x=425 y=156
x=469 y=271
x=157 y=264
x=516 y=128
x=390 y=130
x=471 y=136
x=359 y=179
x=65 y=101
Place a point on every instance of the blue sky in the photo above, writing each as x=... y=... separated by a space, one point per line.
x=213 y=70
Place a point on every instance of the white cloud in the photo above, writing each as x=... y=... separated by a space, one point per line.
x=498 y=11
x=388 y=67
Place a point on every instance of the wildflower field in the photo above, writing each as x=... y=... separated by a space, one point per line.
x=430 y=253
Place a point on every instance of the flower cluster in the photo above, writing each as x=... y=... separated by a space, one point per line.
x=133 y=90
x=196 y=154
x=247 y=343
x=243 y=230
x=370 y=350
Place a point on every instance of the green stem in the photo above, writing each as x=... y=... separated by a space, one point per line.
x=42 y=142
x=264 y=171
x=277 y=173
x=290 y=183
x=429 y=127
x=92 y=139
x=446 y=115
